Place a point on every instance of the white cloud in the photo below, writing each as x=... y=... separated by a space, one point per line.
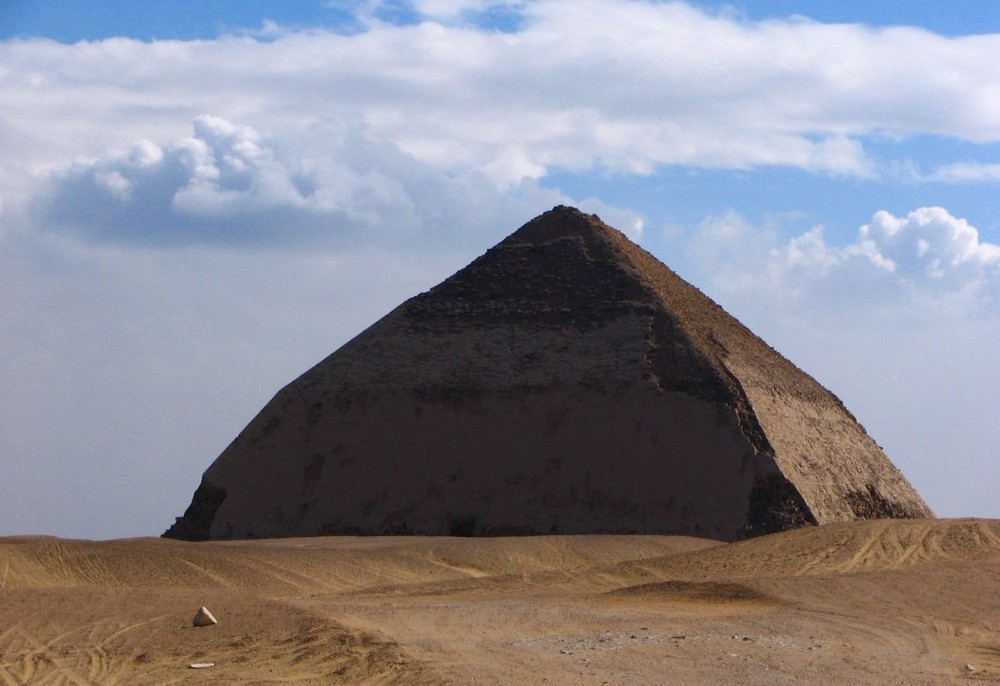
x=228 y=185
x=930 y=244
x=928 y=258
x=961 y=172
x=625 y=85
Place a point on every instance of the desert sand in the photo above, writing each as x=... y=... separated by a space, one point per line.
x=866 y=602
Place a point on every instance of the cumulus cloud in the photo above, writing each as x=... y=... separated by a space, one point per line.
x=228 y=185
x=929 y=245
x=927 y=258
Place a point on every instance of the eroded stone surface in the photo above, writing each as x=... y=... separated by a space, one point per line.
x=564 y=382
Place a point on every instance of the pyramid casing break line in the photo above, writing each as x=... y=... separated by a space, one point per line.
x=564 y=382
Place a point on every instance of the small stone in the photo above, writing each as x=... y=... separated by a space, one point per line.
x=969 y=668
x=201 y=665
x=204 y=618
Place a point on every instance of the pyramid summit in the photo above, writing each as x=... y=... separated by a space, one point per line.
x=566 y=381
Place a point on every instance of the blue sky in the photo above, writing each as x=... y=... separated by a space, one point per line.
x=70 y=21
x=200 y=200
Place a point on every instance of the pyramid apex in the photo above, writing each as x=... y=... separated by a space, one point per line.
x=562 y=221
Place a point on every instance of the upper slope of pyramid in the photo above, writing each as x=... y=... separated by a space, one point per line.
x=567 y=271
x=564 y=381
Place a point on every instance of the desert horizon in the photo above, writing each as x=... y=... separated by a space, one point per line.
x=865 y=602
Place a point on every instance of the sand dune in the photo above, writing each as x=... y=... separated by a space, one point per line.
x=875 y=602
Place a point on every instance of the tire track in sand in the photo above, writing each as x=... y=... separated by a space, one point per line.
x=36 y=663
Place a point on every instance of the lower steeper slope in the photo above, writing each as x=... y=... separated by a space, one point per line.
x=564 y=382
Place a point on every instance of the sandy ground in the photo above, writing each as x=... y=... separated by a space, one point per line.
x=878 y=602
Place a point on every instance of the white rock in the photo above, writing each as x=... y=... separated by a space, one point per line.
x=201 y=665
x=204 y=618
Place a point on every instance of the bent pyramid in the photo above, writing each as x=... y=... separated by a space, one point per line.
x=564 y=382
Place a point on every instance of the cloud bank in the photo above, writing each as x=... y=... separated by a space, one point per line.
x=225 y=185
x=660 y=84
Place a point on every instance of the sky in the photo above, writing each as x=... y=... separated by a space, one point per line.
x=199 y=200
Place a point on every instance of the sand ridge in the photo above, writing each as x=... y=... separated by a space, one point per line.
x=868 y=602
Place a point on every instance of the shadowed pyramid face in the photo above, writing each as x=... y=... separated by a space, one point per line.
x=564 y=382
